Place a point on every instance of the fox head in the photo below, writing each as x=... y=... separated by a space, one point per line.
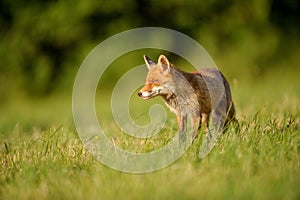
x=159 y=79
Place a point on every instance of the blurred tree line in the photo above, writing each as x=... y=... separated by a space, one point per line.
x=43 y=42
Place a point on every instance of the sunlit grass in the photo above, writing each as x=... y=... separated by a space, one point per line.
x=42 y=156
x=258 y=160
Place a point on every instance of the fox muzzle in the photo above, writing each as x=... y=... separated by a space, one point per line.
x=150 y=93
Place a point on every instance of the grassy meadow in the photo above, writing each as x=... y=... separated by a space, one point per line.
x=254 y=43
x=42 y=157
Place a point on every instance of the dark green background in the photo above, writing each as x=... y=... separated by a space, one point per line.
x=44 y=42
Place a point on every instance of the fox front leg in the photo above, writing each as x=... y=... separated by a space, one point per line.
x=181 y=121
x=178 y=117
x=182 y=126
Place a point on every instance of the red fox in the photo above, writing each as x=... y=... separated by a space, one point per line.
x=189 y=94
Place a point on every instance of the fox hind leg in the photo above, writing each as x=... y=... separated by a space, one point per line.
x=196 y=125
x=204 y=122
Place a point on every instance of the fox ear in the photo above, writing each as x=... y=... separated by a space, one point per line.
x=148 y=61
x=164 y=63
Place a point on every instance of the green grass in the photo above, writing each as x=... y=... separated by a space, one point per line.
x=42 y=157
x=261 y=160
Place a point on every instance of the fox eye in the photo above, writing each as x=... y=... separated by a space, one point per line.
x=154 y=80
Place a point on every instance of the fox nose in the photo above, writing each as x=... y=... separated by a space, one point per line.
x=139 y=94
